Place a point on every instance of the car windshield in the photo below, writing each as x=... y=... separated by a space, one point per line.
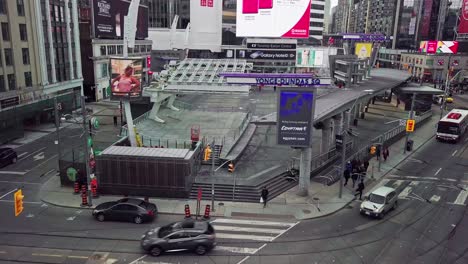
x=447 y=128
x=374 y=198
x=168 y=229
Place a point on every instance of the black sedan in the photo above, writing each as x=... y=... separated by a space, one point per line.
x=127 y=209
x=7 y=156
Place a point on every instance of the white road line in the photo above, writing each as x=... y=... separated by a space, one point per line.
x=414 y=183
x=78 y=257
x=39 y=150
x=248 y=229
x=22 y=154
x=246 y=258
x=2 y=252
x=248 y=237
x=455 y=152
x=251 y=222
x=11 y=201
x=47 y=255
x=405 y=192
x=14 y=172
x=240 y=250
x=437 y=172
x=461 y=197
x=435 y=198
x=22 y=183
x=138 y=259
x=397 y=183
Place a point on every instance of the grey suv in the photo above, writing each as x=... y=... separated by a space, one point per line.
x=198 y=236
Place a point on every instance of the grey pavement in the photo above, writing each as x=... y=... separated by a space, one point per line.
x=322 y=201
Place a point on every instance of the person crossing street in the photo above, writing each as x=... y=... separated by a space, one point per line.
x=360 y=189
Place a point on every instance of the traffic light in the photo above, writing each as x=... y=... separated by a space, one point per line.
x=207 y=153
x=231 y=167
x=373 y=149
x=18 y=202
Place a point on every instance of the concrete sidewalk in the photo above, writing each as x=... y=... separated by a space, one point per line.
x=322 y=200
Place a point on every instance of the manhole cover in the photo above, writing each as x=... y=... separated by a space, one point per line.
x=306 y=211
x=221 y=204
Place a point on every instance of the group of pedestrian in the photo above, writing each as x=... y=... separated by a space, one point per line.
x=354 y=169
x=385 y=153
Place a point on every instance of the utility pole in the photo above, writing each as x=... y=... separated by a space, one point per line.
x=344 y=129
x=411 y=116
x=212 y=177
x=395 y=26
x=86 y=149
x=57 y=130
x=447 y=85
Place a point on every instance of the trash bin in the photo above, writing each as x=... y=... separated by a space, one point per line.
x=409 y=145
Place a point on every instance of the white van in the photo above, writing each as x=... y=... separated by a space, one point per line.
x=379 y=202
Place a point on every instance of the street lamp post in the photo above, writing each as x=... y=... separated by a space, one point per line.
x=57 y=131
x=86 y=148
x=411 y=116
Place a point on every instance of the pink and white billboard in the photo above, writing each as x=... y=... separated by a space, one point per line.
x=273 y=18
x=434 y=46
x=463 y=26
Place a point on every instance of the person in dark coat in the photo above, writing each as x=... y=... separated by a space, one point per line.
x=377 y=153
x=349 y=166
x=385 y=153
x=354 y=176
x=346 y=175
x=360 y=189
x=264 y=196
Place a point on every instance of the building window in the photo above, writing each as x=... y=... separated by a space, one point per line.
x=5 y=32
x=104 y=70
x=119 y=49
x=2 y=83
x=3 y=7
x=28 y=79
x=20 y=7
x=103 y=51
x=9 y=57
x=111 y=50
x=23 y=32
x=26 y=56
x=11 y=81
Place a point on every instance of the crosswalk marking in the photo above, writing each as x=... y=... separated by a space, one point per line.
x=249 y=229
x=414 y=183
x=461 y=197
x=405 y=192
x=251 y=222
x=244 y=237
x=435 y=198
x=237 y=249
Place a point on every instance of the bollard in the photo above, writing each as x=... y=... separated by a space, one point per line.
x=207 y=212
x=83 y=188
x=84 y=199
x=187 y=211
x=76 y=187
x=94 y=191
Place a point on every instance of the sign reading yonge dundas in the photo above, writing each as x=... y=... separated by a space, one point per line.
x=295 y=116
x=288 y=81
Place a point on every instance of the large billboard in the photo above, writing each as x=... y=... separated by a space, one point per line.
x=434 y=46
x=273 y=18
x=126 y=76
x=295 y=116
x=108 y=19
x=206 y=18
x=463 y=26
x=314 y=57
x=363 y=50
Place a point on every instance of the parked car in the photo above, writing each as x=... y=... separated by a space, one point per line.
x=198 y=236
x=7 y=156
x=126 y=209
x=379 y=202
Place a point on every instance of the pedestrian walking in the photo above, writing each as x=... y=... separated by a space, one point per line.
x=264 y=196
x=347 y=175
x=385 y=153
x=377 y=153
x=354 y=176
x=360 y=189
x=349 y=166
x=115 y=120
x=274 y=88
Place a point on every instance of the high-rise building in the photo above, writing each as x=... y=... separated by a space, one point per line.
x=40 y=59
x=319 y=11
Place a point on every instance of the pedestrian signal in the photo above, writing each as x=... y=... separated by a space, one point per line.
x=18 y=202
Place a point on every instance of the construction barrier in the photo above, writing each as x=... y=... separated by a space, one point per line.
x=94 y=187
x=84 y=198
x=76 y=187
x=83 y=189
x=187 y=211
x=207 y=212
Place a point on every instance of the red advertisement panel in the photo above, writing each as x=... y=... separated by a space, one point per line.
x=426 y=19
x=463 y=26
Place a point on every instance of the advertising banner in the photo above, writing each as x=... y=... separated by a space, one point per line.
x=311 y=57
x=126 y=77
x=295 y=116
x=434 y=46
x=289 y=55
x=271 y=46
x=363 y=50
x=463 y=26
x=273 y=18
x=426 y=19
x=108 y=17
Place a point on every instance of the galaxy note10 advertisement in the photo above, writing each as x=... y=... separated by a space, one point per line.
x=273 y=18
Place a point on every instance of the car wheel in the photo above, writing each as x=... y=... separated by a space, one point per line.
x=138 y=220
x=14 y=160
x=100 y=217
x=155 y=251
x=200 y=250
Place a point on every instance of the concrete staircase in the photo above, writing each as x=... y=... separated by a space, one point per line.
x=243 y=193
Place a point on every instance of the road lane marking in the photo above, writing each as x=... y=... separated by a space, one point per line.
x=138 y=259
x=461 y=197
x=22 y=183
x=11 y=201
x=14 y=172
x=22 y=154
x=435 y=198
x=252 y=222
x=455 y=152
x=39 y=150
x=54 y=156
x=437 y=172
x=71 y=218
x=246 y=258
x=249 y=229
x=47 y=255
x=405 y=192
x=78 y=257
x=237 y=249
x=248 y=237
x=2 y=252
x=414 y=183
